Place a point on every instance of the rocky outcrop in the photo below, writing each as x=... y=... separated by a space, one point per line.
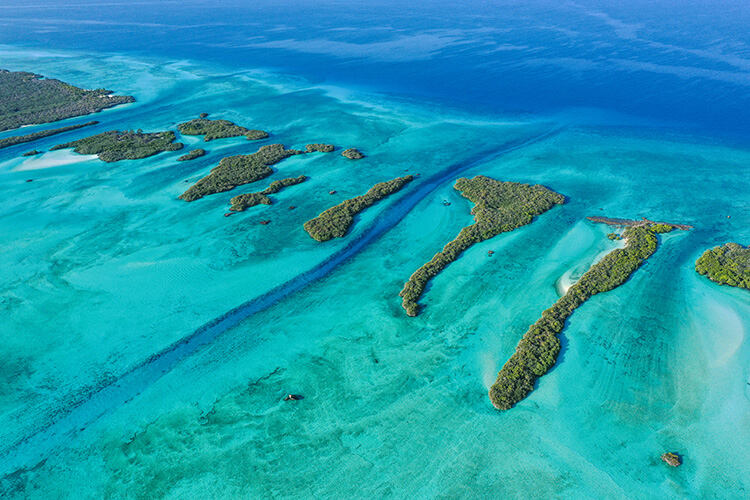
x=672 y=459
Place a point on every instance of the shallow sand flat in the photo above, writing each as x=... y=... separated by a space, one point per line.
x=53 y=159
x=107 y=268
x=571 y=276
x=79 y=278
x=726 y=333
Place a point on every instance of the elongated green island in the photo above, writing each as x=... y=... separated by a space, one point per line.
x=335 y=222
x=128 y=145
x=191 y=155
x=321 y=148
x=28 y=98
x=218 y=129
x=234 y=171
x=247 y=200
x=537 y=351
x=728 y=264
x=20 y=139
x=498 y=207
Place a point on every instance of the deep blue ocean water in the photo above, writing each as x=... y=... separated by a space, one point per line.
x=147 y=342
x=679 y=62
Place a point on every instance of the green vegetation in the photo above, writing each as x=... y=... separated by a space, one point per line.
x=661 y=227
x=613 y=236
x=33 y=152
x=191 y=155
x=335 y=222
x=247 y=200
x=280 y=184
x=218 y=129
x=728 y=264
x=499 y=207
x=234 y=171
x=20 y=139
x=244 y=201
x=27 y=98
x=352 y=154
x=537 y=351
x=322 y=148
x=129 y=145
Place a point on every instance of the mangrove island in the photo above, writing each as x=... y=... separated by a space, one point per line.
x=128 y=145
x=728 y=264
x=234 y=171
x=244 y=201
x=335 y=222
x=29 y=99
x=321 y=148
x=352 y=154
x=20 y=139
x=218 y=129
x=537 y=351
x=191 y=155
x=498 y=207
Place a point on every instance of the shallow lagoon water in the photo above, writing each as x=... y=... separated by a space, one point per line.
x=107 y=268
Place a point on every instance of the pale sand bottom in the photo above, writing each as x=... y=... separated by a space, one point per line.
x=393 y=406
x=53 y=159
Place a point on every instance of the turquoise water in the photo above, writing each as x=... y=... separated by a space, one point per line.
x=104 y=271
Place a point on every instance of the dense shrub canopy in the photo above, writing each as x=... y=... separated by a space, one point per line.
x=218 y=129
x=537 y=351
x=244 y=201
x=234 y=171
x=20 y=139
x=352 y=154
x=321 y=148
x=280 y=184
x=26 y=98
x=498 y=207
x=129 y=145
x=191 y=155
x=728 y=264
x=335 y=222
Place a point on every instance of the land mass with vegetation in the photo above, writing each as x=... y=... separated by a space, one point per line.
x=191 y=155
x=643 y=221
x=321 y=148
x=537 y=351
x=20 y=139
x=247 y=200
x=498 y=207
x=728 y=264
x=352 y=154
x=28 y=99
x=218 y=129
x=234 y=171
x=335 y=222
x=128 y=145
